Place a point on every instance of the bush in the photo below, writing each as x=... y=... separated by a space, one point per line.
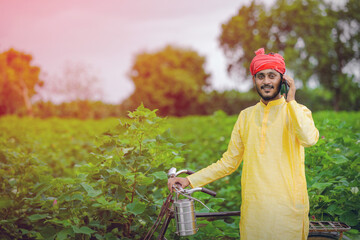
x=113 y=195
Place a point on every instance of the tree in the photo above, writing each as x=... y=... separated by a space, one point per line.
x=18 y=79
x=231 y=101
x=77 y=83
x=318 y=40
x=171 y=80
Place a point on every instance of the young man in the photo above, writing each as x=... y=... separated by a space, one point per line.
x=269 y=138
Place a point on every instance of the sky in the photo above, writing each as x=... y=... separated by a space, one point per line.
x=107 y=35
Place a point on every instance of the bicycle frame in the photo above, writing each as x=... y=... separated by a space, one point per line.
x=171 y=215
x=319 y=228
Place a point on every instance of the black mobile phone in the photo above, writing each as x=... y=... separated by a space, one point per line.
x=284 y=87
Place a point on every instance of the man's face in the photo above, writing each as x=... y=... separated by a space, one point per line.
x=267 y=83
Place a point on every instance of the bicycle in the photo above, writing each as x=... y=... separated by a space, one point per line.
x=183 y=211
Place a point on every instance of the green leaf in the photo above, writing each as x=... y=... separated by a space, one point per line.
x=148 y=141
x=99 y=237
x=48 y=232
x=331 y=209
x=321 y=186
x=4 y=203
x=145 y=180
x=339 y=159
x=65 y=223
x=77 y=196
x=160 y=175
x=84 y=230
x=234 y=234
x=349 y=218
x=179 y=145
x=136 y=207
x=120 y=193
x=122 y=171
x=102 y=200
x=36 y=217
x=220 y=224
x=63 y=234
x=110 y=236
x=41 y=188
x=90 y=190
x=24 y=231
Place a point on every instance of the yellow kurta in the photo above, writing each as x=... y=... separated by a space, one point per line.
x=270 y=139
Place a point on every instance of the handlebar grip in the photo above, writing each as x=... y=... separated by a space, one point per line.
x=190 y=172
x=207 y=191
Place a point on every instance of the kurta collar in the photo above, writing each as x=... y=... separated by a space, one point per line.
x=273 y=102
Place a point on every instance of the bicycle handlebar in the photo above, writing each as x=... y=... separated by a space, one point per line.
x=208 y=191
x=172 y=173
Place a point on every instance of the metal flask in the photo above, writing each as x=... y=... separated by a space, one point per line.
x=185 y=217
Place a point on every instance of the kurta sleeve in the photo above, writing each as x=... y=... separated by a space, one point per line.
x=229 y=162
x=304 y=126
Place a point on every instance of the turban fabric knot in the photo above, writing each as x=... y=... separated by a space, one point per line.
x=267 y=61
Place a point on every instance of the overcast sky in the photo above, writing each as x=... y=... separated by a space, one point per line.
x=106 y=35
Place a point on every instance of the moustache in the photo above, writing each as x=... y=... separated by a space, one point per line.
x=266 y=86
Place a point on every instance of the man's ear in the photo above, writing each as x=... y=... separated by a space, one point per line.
x=253 y=78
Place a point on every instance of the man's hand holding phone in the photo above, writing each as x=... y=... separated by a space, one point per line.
x=292 y=88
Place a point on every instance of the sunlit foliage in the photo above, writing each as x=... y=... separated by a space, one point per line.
x=320 y=42
x=75 y=179
x=171 y=80
x=18 y=78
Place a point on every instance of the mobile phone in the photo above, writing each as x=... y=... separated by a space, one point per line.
x=284 y=87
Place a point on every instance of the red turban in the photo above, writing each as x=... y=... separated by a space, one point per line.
x=267 y=61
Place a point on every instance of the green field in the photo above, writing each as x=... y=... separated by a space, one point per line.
x=76 y=179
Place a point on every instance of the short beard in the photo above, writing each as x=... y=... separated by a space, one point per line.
x=270 y=97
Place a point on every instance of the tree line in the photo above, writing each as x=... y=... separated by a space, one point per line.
x=318 y=39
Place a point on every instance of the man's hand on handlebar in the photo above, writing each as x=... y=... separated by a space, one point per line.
x=184 y=182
